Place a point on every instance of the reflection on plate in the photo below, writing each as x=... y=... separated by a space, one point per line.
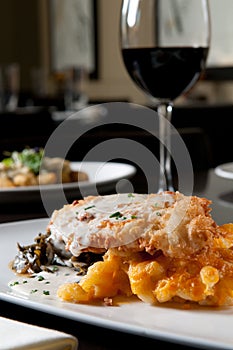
x=225 y=171
x=201 y=327
x=102 y=175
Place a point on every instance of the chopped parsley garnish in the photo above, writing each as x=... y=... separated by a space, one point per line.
x=34 y=291
x=116 y=215
x=40 y=278
x=133 y=217
x=130 y=195
x=158 y=213
x=46 y=292
x=14 y=283
x=55 y=268
x=29 y=157
x=91 y=206
x=32 y=158
x=8 y=162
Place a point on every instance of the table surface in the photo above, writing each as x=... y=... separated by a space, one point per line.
x=208 y=185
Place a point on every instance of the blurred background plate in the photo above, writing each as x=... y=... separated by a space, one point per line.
x=225 y=170
x=103 y=177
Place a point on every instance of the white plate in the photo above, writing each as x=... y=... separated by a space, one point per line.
x=200 y=327
x=225 y=171
x=103 y=175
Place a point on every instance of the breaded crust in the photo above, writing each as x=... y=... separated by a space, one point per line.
x=178 y=225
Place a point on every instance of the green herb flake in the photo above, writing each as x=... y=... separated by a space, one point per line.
x=47 y=282
x=133 y=217
x=158 y=213
x=24 y=282
x=14 y=283
x=55 y=268
x=29 y=157
x=32 y=158
x=46 y=292
x=130 y=195
x=91 y=206
x=8 y=162
x=116 y=215
x=40 y=278
x=34 y=291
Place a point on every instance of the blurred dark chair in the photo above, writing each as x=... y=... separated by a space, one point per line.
x=25 y=127
x=199 y=147
x=215 y=121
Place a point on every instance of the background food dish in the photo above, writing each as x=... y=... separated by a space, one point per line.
x=200 y=327
x=102 y=175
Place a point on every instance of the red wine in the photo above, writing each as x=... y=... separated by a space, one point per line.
x=165 y=72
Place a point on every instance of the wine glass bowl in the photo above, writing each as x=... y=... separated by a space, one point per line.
x=174 y=70
x=164 y=47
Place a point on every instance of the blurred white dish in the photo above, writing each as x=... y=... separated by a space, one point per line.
x=102 y=175
x=225 y=170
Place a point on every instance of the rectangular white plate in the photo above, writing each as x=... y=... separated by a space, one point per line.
x=198 y=327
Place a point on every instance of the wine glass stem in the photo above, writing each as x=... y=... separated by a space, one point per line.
x=165 y=114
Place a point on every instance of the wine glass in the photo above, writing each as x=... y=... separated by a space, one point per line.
x=164 y=47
